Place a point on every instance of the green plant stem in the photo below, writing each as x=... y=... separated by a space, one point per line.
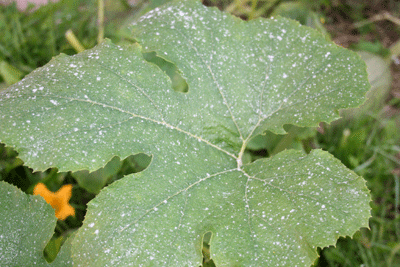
x=366 y=164
x=267 y=8
x=253 y=9
x=397 y=202
x=388 y=156
x=394 y=251
x=378 y=17
x=233 y=6
x=100 y=20
x=72 y=40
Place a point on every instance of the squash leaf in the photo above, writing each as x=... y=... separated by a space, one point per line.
x=244 y=78
x=26 y=225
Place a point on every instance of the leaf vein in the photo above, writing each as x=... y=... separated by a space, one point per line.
x=218 y=86
x=134 y=85
x=155 y=207
x=164 y=123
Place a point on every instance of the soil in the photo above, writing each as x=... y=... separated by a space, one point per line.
x=345 y=30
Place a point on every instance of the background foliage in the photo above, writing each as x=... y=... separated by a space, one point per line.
x=367 y=142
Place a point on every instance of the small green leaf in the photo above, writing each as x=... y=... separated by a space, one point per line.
x=244 y=78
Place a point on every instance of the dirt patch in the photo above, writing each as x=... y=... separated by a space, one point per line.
x=352 y=22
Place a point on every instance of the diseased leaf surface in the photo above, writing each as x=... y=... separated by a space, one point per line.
x=244 y=78
x=26 y=225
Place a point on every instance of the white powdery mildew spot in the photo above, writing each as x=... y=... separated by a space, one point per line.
x=54 y=102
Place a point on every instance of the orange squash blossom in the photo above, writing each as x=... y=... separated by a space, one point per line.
x=58 y=200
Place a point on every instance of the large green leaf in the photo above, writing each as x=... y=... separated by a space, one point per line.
x=244 y=78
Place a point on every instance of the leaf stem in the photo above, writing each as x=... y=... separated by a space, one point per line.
x=100 y=20
x=72 y=40
x=240 y=156
x=253 y=9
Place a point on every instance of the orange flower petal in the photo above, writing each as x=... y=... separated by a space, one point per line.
x=65 y=211
x=65 y=192
x=41 y=189
x=58 y=200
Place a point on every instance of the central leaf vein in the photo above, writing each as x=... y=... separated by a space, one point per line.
x=217 y=85
x=163 y=123
x=249 y=215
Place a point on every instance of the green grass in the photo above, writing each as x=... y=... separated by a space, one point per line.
x=367 y=145
x=31 y=39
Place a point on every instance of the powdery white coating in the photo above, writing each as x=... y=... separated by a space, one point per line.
x=244 y=79
x=26 y=226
